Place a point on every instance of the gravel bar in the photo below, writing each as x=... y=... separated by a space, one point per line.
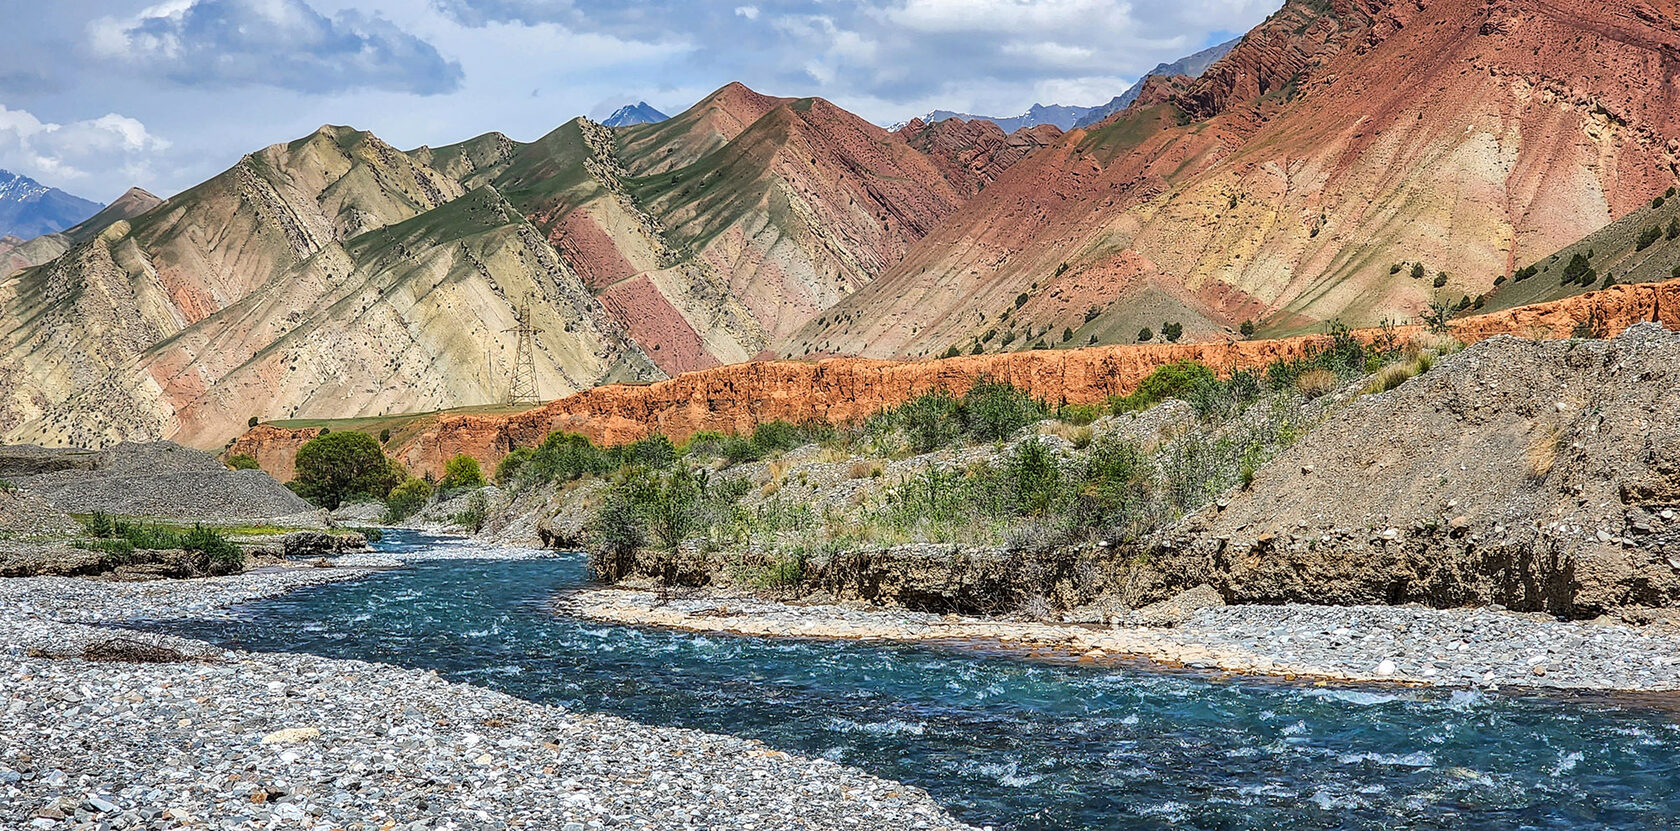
x=228 y=739
x=1435 y=647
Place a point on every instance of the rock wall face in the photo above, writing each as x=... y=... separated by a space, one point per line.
x=737 y=398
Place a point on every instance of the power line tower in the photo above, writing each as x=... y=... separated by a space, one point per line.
x=524 y=387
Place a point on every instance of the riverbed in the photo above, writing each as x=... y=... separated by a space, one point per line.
x=1001 y=741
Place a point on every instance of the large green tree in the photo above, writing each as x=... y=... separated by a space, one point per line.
x=334 y=467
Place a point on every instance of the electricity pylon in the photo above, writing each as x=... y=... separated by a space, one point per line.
x=524 y=387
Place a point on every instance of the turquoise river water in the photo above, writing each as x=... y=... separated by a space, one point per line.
x=1013 y=743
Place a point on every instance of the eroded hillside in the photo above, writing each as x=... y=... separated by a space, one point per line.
x=1299 y=179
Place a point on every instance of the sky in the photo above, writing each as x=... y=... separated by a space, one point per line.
x=100 y=95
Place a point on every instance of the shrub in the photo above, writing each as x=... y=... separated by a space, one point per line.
x=1079 y=415
x=1247 y=328
x=1315 y=383
x=775 y=437
x=1440 y=279
x=222 y=555
x=655 y=451
x=1395 y=268
x=1418 y=271
x=1172 y=331
x=251 y=422
x=1145 y=336
x=563 y=457
x=406 y=499
x=994 y=411
x=513 y=464
x=1579 y=270
x=334 y=467
x=1067 y=334
x=461 y=472
x=242 y=461
x=1673 y=229
x=1174 y=380
x=385 y=436
x=1524 y=273
x=1648 y=237
x=472 y=517
x=931 y=420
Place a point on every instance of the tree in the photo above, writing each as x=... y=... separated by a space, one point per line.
x=1145 y=336
x=461 y=472
x=406 y=499
x=334 y=467
x=1647 y=238
x=1418 y=271
x=251 y=422
x=1067 y=335
x=1673 y=228
x=1247 y=328
x=1579 y=271
x=385 y=436
x=1172 y=331
x=1440 y=279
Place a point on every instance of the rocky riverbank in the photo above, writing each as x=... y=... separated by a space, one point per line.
x=225 y=739
x=1408 y=645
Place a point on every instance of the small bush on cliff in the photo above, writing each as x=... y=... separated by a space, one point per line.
x=1648 y=237
x=508 y=470
x=1174 y=380
x=994 y=411
x=251 y=422
x=931 y=421
x=406 y=499
x=461 y=472
x=563 y=457
x=242 y=461
x=334 y=467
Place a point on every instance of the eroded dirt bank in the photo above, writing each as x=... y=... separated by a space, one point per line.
x=735 y=398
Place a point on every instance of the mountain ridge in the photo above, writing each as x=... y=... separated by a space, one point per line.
x=29 y=209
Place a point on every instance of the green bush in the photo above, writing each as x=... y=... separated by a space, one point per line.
x=1174 y=380
x=1440 y=279
x=407 y=499
x=1145 y=336
x=1079 y=415
x=1647 y=238
x=931 y=421
x=461 y=472
x=242 y=461
x=994 y=411
x=655 y=451
x=216 y=553
x=777 y=436
x=335 y=467
x=472 y=518
x=1418 y=271
x=1172 y=331
x=1673 y=229
x=513 y=464
x=1579 y=270
x=1247 y=328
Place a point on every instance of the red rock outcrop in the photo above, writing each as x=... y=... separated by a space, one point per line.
x=973 y=154
x=738 y=397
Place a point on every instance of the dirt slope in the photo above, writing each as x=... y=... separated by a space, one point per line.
x=1543 y=476
x=1337 y=140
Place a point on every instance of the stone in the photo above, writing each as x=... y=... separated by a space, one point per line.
x=292 y=735
x=1386 y=668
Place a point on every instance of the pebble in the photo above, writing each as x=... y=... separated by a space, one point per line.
x=1449 y=647
x=230 y=739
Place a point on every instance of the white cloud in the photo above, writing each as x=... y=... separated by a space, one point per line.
x=279 y=43
x=67 y=153
x=748 y=12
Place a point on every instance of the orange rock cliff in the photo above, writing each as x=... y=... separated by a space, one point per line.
x=737 y=397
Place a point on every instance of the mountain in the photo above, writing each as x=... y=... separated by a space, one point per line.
x=632 y=114
x=331 y=275
x=337 y=276
x=30 y=209
x=1334 y=143
x=17 y=254
x=1057 y=115
x=1191 y=66
x=713 y=234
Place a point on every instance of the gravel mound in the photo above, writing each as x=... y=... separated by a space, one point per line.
x=160 y=479
x=24 y=515
x=1541 y=476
